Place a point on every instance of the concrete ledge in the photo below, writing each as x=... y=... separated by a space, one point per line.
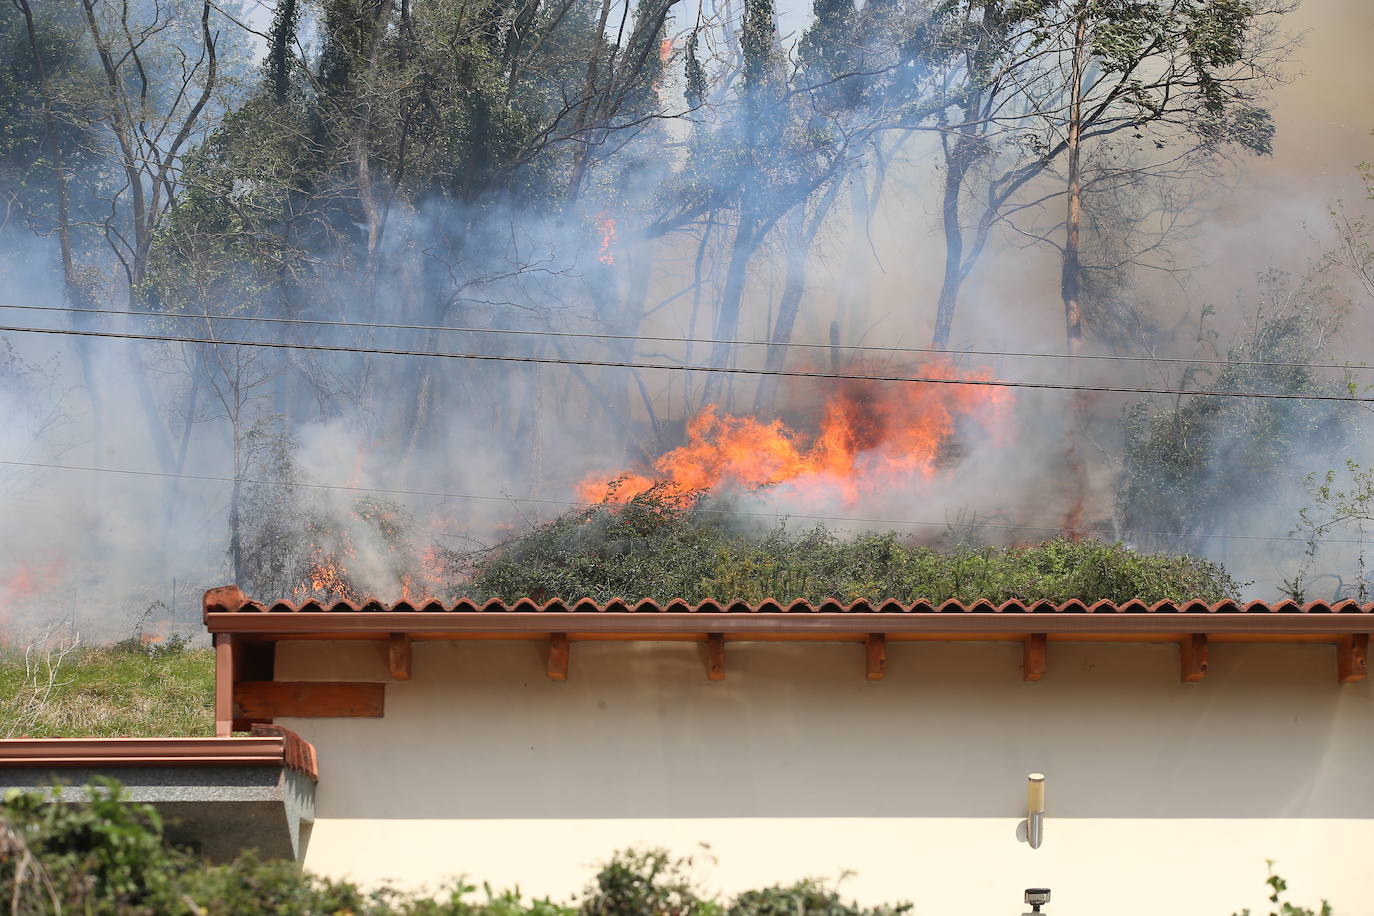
x=217 y=796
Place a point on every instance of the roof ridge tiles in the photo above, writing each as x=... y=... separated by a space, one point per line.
x=231 y=599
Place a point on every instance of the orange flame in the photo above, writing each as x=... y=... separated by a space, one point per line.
x=27 y=582
x=605 y=224
x=871 y=436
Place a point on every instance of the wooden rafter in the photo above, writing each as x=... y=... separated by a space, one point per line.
x=1033 y=657
x=715 y=656
x=398 y=656
x=1192 y=654
x=559 y=652
x=875 y=656
x=1352 y=658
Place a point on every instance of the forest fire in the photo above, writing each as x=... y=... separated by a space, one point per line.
x=26 y=582
x=870 y=435
x=605 y=224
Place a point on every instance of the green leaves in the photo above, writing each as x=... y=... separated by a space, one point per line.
x=657 y=548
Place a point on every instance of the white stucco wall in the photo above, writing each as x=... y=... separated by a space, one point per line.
x=1162 y=797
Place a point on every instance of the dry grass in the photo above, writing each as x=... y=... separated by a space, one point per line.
x=106 y=692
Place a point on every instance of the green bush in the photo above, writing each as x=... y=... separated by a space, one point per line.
x=663 y=547
x=107 y=855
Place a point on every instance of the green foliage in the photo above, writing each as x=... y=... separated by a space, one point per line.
x=1277 y=887
x=106 y=855
x=646 y=883
x=808 y=897
x=662 y=547
x=1194 y=466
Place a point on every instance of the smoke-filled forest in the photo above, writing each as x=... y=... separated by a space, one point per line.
x=343 y=298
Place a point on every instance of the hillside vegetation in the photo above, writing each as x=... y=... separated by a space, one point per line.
x=125 y=690
x=660 y=547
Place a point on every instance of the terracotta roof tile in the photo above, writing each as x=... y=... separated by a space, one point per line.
x=231 y=600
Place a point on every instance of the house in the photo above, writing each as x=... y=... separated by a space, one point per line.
x=522 y=743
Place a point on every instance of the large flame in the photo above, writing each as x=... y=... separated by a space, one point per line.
x=870 y=436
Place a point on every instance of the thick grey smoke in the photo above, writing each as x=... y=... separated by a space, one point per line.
x=471 y=453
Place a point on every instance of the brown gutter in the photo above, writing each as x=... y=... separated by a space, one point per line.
x=647 y=625
x=279 y=748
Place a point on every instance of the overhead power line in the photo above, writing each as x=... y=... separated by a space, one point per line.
x=648 y=338
x=666 y=367
x=487 y=497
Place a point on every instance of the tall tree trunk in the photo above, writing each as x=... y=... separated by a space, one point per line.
x=954 y=256
x=1070 y=286
x=748 y=234
x=1069 y=279
x=800 y=236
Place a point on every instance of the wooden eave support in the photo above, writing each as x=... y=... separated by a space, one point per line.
x=1352 y=658
x=1192 y=654
x=266 y=700
x=715 y=656
x=1033 y=657
x=224 y=684
x=559 y=652
x=875 y=656
x=398 y=656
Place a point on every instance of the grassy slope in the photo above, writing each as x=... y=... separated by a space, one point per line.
x=108 y=692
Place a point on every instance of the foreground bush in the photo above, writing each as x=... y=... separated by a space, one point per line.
x=657 y=547
x=107 y=856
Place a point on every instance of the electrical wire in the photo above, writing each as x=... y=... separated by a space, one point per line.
x=588 y=335
x=741 y=512
x=729 y=370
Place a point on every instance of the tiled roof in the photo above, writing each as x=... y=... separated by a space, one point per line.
x=228 y=610
x=231 y=600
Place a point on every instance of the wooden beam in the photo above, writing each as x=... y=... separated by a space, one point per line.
x=308 y=699
x=1033 y=657
x=875 y=656
x=1192 y=654
x=224 y=684
x=398 y=656
x=559 y=652
x=715 y=656
x=1352 y=658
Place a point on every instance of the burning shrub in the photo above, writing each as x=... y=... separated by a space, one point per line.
x=289 y=540
x=656 y=546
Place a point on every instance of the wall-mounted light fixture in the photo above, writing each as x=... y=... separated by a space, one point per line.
x=1035 y=809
